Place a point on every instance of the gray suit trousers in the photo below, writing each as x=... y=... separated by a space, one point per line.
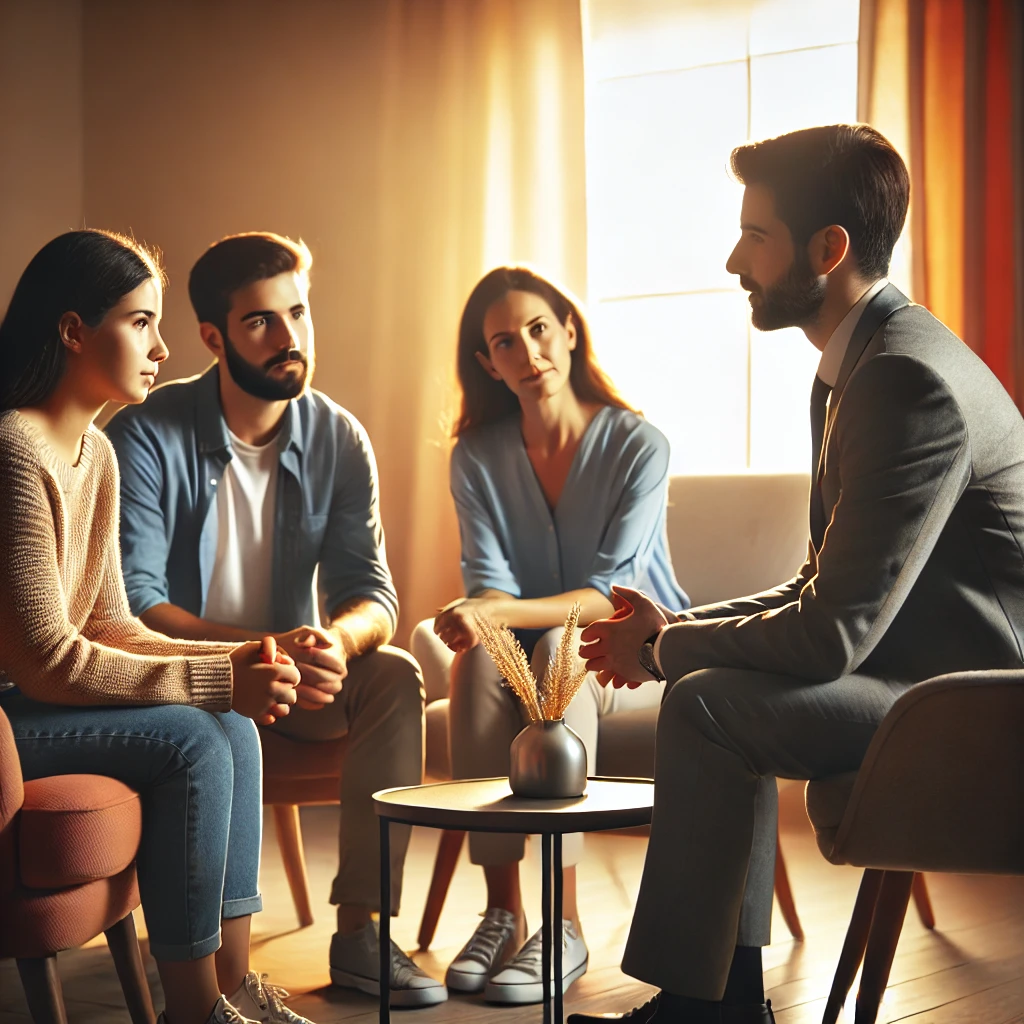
x=724 y=735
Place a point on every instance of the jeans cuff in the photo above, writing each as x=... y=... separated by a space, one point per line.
x=243 y=907
x=189 y=951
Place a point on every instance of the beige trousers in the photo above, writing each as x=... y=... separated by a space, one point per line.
x=486 y=717
x=380 y=709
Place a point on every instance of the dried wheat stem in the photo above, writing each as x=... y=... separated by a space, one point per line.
x=508 y=655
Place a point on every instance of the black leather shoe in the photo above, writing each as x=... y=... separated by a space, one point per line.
x=649 y=1013
x=638 y=1015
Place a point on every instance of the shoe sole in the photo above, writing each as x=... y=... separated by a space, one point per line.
x=530 y=992
x=409 y=997
x=464 y=981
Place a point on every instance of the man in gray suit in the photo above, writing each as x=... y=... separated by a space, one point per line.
x=914 y=569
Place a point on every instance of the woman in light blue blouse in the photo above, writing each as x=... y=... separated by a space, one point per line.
x=560 y=489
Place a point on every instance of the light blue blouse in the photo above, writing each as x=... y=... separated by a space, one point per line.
x=608 y=526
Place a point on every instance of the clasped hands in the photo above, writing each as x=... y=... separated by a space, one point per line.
x=305 y=666
x=609 y=646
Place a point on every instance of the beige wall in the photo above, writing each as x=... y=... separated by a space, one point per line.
x=411 y=143
x=40 y=129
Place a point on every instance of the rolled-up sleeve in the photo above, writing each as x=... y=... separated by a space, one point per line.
x=638 y=518
x=353 y=562
x=145 y=540
x=485 y=565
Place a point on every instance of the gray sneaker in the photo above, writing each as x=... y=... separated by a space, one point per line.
x=355 y=963
x=519 y=981
x=491 y=945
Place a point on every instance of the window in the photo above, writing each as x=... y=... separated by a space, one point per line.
x=672 y=87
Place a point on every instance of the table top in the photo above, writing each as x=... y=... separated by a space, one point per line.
x=488 y=804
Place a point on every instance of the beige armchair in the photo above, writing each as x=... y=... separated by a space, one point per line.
x=729 y=535
x=941 y=789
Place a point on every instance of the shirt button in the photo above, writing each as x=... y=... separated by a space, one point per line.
x=213 y=483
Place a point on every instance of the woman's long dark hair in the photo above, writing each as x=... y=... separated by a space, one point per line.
x=485 y=399
x=83 y=272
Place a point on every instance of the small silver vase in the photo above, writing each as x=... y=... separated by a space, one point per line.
x=547 y=761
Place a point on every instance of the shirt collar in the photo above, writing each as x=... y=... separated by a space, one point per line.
x=212 y=430
x=835 y=348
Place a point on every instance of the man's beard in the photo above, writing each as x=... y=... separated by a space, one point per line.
x=795 y=301
x=256 y=381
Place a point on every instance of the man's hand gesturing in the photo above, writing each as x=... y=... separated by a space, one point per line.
x=321 y=662
x=609 y=646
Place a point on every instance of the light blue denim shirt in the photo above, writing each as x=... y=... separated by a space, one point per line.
x=172 y=451
x=608 y=526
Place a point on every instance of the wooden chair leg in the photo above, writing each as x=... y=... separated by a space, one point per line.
x=124 y=951
x=784 y=894
x=444 y=867
x=289 y=841
x=922 y=901
x=41 y=982
x=854 y=944
x=890 y=910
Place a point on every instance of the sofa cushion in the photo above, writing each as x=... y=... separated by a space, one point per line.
x=826 y=801
x=75 y=829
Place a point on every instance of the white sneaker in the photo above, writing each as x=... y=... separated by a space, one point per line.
x=519 y=981
x=355 y=963
x=258 y=1000
x=223 y=1013
x=492 y=944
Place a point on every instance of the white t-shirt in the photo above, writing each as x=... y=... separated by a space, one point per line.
x=240 y=587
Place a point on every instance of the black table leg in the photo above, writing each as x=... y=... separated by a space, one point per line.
x=546 y=932
x=384 y=932
x=557 y=930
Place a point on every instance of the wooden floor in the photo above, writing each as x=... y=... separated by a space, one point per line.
x=969 y=971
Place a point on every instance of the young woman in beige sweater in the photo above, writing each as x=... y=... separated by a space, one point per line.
x=87 y=687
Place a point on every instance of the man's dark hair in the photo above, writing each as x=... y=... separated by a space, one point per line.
x=85 y=272
x=236 y=262
x=846 y=174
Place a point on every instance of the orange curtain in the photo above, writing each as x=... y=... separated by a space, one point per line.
x=945 y=80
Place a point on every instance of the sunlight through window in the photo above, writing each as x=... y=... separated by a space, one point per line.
x=672 y=87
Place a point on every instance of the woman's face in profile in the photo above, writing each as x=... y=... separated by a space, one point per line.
x=118 y=360
x=527 y=347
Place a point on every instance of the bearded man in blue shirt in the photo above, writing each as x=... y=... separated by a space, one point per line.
x=243 y=491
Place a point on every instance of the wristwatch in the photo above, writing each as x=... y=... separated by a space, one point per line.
x=646 y=657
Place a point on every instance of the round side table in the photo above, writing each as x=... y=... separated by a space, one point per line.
x=487 y=805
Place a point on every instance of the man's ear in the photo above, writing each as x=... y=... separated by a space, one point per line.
x=71 y=330
x=487 y=365
x=828 y=248
x=210 y=333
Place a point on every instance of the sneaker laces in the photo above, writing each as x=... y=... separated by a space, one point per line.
x=403 y=969
x=532 y=953
x=490 y=937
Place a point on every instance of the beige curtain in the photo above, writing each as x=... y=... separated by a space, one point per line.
x=487 y=96
x=412 y=143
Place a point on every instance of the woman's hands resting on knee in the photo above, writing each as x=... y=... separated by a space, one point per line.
x=263 y=681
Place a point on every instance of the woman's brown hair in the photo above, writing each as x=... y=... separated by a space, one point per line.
x=484 y=399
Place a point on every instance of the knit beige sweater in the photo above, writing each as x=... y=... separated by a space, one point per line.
x=67 y=634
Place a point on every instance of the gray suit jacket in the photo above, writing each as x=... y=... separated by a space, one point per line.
x=921 y=567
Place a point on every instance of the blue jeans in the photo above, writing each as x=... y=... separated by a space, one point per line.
x=199 y=775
